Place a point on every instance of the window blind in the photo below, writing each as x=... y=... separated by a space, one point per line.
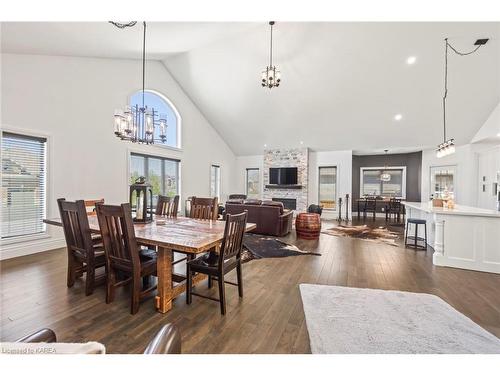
x=24 y=173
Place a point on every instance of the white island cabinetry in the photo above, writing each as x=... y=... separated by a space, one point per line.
x=462 y=237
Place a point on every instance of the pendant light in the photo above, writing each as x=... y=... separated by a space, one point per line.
x=385 y=176
x=447 y=147
x=271 y=76
x=138 y=124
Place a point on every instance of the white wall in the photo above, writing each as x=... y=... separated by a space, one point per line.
x=489 y=168
x=341 y=159
x=71 y=100
x=491 y=127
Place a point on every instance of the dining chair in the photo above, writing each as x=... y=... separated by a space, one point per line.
x=370 y=206
x=84 y=254
x=123 y=254
x=393 y=208
x=228 y=258
x=90 y=205
x=204 y=208
x=167 y=206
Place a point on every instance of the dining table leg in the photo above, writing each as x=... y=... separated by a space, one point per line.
x=164 y=273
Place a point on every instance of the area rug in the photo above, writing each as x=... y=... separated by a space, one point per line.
x=257 y=246
x=370 y=321
x=364 y=232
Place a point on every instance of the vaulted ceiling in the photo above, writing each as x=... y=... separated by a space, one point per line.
x=342 y=83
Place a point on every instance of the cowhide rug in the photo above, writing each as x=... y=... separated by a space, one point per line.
x=364 y=232
x=256 y=246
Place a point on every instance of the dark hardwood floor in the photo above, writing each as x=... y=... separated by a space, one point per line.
x=269 y=319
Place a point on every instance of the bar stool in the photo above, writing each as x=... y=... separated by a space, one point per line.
x=415 y=238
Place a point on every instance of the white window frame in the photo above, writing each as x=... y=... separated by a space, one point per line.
x=210 y=180
x=455 y=168
x=177 y=114
x=336 y=184
x=48 y=180
x=403 y=178
x=153 y=154
x=246 y=180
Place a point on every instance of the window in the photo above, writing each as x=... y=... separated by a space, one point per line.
x=165 y=110
x=161 y=173
x=24 y=173
x=215 y=181
x=327 y=187
x=442 y=181
x=371 y=184
x=253 y=183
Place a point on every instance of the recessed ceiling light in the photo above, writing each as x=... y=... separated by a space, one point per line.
x=265 y=145
x=498 y=135
x=398 y=117
x=301 y=142
x=411 y=60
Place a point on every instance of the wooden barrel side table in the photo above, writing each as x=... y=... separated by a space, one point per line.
x=308 y=226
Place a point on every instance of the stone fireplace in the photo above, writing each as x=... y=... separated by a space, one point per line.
x=279 y=158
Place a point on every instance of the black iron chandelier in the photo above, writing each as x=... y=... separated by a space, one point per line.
x=271 y=76
x=448 y=146
x=138 y=124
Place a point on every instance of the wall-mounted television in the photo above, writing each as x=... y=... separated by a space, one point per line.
x=283 y=176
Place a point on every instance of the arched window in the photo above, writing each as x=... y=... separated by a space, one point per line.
x=165 y=109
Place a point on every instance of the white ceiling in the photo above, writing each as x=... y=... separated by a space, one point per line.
x=342 y=83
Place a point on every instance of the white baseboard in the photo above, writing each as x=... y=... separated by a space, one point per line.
x=30 y=247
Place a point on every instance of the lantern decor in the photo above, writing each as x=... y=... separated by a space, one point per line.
x=143 y=196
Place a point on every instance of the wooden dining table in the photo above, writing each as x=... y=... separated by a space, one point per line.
x=184 y=235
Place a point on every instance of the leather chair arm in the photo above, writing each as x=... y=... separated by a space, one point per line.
x=43 y=335
x=166 y=341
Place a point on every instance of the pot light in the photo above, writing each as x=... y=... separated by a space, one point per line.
x=411 y=60
x=398 y=117
x=498 y=135
x=302 y=142
x=265 y=145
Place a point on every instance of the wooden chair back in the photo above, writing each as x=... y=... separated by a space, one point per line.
x=204 y=208
x=395 y=205
x=118 y=235
x=167 y=206
x=76 y=228
x=90 y=206
x=370 y=204
x=233 y=237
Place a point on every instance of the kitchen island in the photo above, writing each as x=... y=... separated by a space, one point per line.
x=462 y=237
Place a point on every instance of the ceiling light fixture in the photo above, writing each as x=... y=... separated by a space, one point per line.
x=139 y=124
x=411 y=60
x=398 y=117
x=448 y=145
x=271 y=77
x=385 y=176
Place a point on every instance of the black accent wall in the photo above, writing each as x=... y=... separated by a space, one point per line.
x=412 y=161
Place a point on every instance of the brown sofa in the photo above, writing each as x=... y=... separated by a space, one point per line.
x=271 y=218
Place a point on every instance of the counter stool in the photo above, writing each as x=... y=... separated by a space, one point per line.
x=415 y=238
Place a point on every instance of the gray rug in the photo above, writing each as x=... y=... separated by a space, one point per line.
x=369 y=321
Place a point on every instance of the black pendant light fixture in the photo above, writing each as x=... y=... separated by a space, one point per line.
x=448 y=145
x=271 y=76
x=138 y=124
